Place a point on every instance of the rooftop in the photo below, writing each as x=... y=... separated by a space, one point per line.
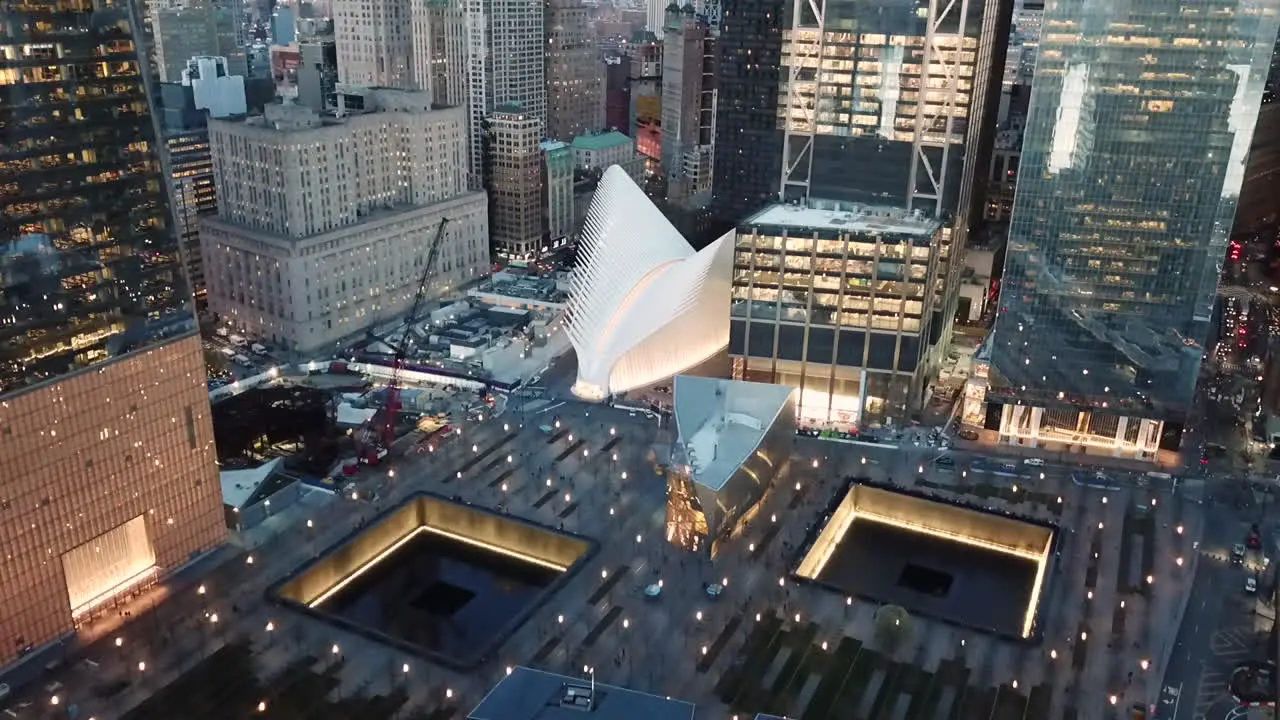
x=601 y=141
x=238 y=486
x=847 y=217
x=721 y=422
x=528 y=694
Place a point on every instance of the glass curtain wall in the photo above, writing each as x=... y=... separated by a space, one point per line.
x=1141 y=118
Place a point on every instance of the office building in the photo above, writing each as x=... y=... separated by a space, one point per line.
x=596 y=152
x=617 y=93
x=688 y=107
x=514 y=182
x=748 y=144
x=557 y=193
x=834 y=298
x=305 y=251
x=108 y=480
x=506 y=65
x=197 y=29
x=283 y=26
x=317 y=72
x=205 y=91
x=440 y=51
x=890 y=117
x=375 y=44
x=655 y=13
x=1126 y=198
x=574 y=72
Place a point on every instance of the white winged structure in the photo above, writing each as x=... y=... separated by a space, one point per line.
x=643 y=305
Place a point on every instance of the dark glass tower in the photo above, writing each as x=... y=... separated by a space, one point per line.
x=89 y=268
x=748 y=155
x=1141 y=118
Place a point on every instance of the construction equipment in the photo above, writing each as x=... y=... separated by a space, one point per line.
x=385 y=429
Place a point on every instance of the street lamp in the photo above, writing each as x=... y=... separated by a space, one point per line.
x=1144 y=663
x=624 y=474
x=509 y=670
x=405 y=668
x=142 y=666
x=448 y=692
x=249 y=559
x=613 y=431
x=335 y=649
x=270 y=626
x=119 y=641
x=1179 y=528
x=815 y=462
x=262 y=706
x=200 y=590
x=54 y=700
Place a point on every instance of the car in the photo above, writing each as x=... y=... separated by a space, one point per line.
x=1251 y=585
x=1034 y=462
x=1237 y=554
x=969 y=435
x=945 y=461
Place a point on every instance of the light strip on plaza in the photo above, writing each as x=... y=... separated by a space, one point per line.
x=337 y=587
x=1034 y=601
x=945 y=535
x=515 y=554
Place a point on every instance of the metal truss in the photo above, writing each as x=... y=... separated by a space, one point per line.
x=804 y=85
x=934 y=63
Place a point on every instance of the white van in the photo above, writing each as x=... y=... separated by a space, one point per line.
x=258 y=349
x=243 y=360
x=237 y=340
x=1034 y=462
x=228 y=352
x=222 y=332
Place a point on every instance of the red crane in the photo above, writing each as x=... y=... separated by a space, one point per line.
x=386 y=433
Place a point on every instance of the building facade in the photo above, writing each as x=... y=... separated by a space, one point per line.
x=748 y=143
x=1126 y=199
x=109 y=480
x=317 y=72
x=197 y=29
x=834 y=299
x=574 y=72
x=688 y=106
x=506 y=65
x=895 y=113
x=375 y=44
x=324 y=220
x=440 y=51
x=557 y=193
x=514 y=182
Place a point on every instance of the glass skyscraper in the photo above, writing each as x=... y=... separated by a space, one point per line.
x=109 y=477
x=1141 y=117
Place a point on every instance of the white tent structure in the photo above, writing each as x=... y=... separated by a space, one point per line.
x=643 y=306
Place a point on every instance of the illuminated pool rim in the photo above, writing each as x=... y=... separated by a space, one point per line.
x=279 y=592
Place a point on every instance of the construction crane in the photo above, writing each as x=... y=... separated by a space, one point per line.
x=385 y=434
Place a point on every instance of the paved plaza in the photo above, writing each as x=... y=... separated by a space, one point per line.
x=1112 y=601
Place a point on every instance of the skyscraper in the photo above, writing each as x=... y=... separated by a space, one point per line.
x=574 y=73
x=375 y=44
x=688 y=106
x=514 y=181
x=109 y=477
x=1139 y=127
x=748 y=145
x=881 y=119
x=505 y=64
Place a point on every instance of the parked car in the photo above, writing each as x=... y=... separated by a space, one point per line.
x=945 y=461
x=969 y=435
x=1251 y=585
x=1034 y=462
